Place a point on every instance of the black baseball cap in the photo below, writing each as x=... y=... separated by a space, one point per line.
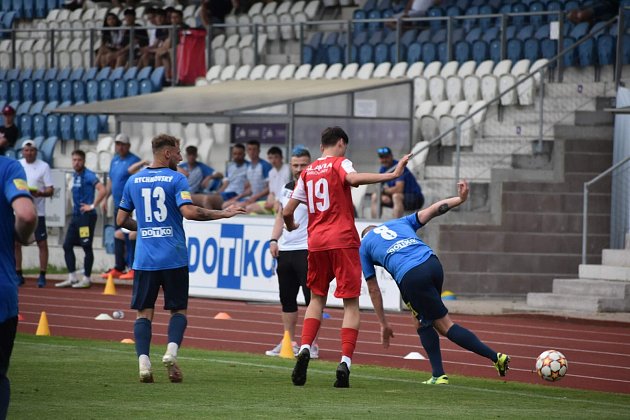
x=384 y=151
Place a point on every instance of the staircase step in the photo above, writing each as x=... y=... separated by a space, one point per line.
x=574 y=132
x=555 y=302
x=604 y=272
x=616 y=257
x=594 y=118
x=589 y=287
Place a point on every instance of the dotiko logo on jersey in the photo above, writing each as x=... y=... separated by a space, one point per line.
x=157 y=232
x=235 y=256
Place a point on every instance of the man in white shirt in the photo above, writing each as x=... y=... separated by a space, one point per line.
x=40 y=184
x=279 y=175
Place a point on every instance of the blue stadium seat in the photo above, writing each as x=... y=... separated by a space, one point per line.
x=439 y=36
x=37 y=108
x=26 y=73
x=625 y=51
x=15 y=90
x=14 y=104
x=408 y=37
x=359 y=14
x=436 y=12
x=429 y=52
x=38 y=74
x=376 y=38
x=521 y=20
x=28 y=90
x=571 y=5
x=25 y=124
x=334 y=54
x=424 y=36
x=586 y=53
x=76 y=74
x=453 y=11
x=569 y=58
x=579 y=30
x=106 y=89
x=3 y=74
x=40 y=9
x=542 y=32
x=396 y=55
x=515 y=50
x=463 y=4
x=537 y=20
x=103 y=74
x=381 y=53
x=92 y=127
x=366 y=54
x=120 y=89
x=553 y=6
x=65 y=127
x=13 y=74
x=531 y=49
x=144 y=73
x=133 y=87
x=486 y=23
x=103 y=124
x=130 y=73
x=65 y=90
x=330 y=38
x=39 y=90
x=145 y=87
x=90 y=74
x=495 y=51
x=48 y=148
x=414 y=53
x=23 y=107
x=469 y=23
x=6 y=5
x=473 y=35
x=18 y=8
x=462 y=51
x=78 y=91
x=606 y=50
x=442 y=50
x=64 y=74
x=374 y=26
x=598 y=29
x=92 y=91
x=7 y=22
x=157 y=79
x=50 y=106
x=549 y=48
x=480 y=51
x=308 y=55
x=117 y=73
x=79 y=127
x=458 y=35
x=39 y=125
x=525 y=32
x=51 y=74
x=360 y=39
x=52 y=125
x=510 y=32
x=4 y=91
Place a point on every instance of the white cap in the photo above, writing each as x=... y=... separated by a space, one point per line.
x=122 y=138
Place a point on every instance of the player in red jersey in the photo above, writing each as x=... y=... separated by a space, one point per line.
x=333 y=244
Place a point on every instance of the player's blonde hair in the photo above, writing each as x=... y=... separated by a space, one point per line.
x=163 y=140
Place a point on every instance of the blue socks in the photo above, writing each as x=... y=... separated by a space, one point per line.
x=431 y=342
x=466 y=339
x=176 y=328
x=119 y=254
x=142 y=334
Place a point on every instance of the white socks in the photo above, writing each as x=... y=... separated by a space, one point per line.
x=347 y=360
x=171 y=348
x=305 y=346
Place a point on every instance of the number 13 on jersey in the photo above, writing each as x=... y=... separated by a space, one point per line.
x=160 y=197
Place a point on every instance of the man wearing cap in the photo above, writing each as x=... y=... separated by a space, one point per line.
x=119 y=173
x=9 y=133
x=41 y=186
x=403 y=193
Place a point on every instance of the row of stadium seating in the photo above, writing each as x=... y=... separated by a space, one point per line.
x=29 y=9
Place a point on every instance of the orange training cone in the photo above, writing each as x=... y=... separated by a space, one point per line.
x=222 y=315
x=286 y=351
x=42 y=327
x=110 y=289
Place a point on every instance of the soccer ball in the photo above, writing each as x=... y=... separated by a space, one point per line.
x=551 y=365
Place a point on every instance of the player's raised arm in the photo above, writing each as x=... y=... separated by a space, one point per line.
x=192 y=212
x=356 y=178
x=443 y=206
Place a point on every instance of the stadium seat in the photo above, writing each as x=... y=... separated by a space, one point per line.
x=606 y=50
x=39 y=125
x=525 y=32
x=64 y=74
x=52 y=125
x=77 y=74
x=334 y=71
x=531 y=49
x=130 y=73
x=442 y=50
x=51 y=74
x=92 y=91
x=462 y=51
x=37 y=108
x=25 y=125
x=52 y=90
x=23 y=107
x=90 y=74
x=119 y=89
x=466 y=69
x=105 y=89
x=47 y=149
x=4 y=91
x=15 y=90
x=432 y=69
x=448 y=121
x=414 y=53
x=349 y=71
x=515 y=50
x=570 y=57
x=157 y=79
x=92 y=127
x=472 y=88
x=334 y=54
x=625 y=49
x=116 y=74
x=495 y=51
x=437 y=89
x=586 y=53
x=103 y=74
x=65 y=91
x=420 y=90
x=38 y=74
x=259 y=72
x=79 y=127
x=28 y=93
x=49 y=107
x=146 y=88
x=78 y=91
x=66 y=127
x=454 y=89
x=429 y=53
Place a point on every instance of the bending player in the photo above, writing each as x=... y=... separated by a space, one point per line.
x=418 y=273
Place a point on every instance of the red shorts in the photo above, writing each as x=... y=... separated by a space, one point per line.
x=343 y=264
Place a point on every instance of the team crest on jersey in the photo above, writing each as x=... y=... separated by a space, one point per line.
x=185 y=195
x=20 y=184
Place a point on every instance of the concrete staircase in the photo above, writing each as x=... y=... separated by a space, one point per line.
x=598 y=288
x=534 y=236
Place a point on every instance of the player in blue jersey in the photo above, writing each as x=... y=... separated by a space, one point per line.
x=81 y=229
x=160 y=196
x=18 y=218
x=119 y=172
x=418 y=273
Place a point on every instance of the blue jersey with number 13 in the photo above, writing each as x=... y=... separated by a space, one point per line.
x=156 y=194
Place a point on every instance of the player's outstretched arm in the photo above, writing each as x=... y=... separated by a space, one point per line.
x=355 y=178
x=25 y=219
x=287 y=214
x=443 y=206
x=377 y=302
x=192 y=212
x=124 y=219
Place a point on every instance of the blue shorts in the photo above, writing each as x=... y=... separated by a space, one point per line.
x=41 y=233
x=146 y=285
x=227 y=195
x=421 y=290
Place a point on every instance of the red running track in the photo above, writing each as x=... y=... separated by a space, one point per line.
x=598 y=352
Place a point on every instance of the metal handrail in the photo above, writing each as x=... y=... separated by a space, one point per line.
x=587 y=184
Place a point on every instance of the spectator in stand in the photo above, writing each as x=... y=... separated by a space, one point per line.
x=110 y=40
x=594 y=10
x=9 y=133
x=257 y=184
x=141 y=39
x=163 y=53
x=403 y=193
x=414 y=8
x=201 y=177
x=279 y=175
x=40 y=184
x=149 y=18
x=212 y=12
x=148 y=54
x=234 y=181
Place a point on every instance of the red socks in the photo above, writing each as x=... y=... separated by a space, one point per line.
x=348 y=341
x=309 y=330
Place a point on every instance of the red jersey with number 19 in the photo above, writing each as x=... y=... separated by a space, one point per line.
x=322 y=186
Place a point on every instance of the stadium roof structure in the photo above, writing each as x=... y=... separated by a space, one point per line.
x=225 y=102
